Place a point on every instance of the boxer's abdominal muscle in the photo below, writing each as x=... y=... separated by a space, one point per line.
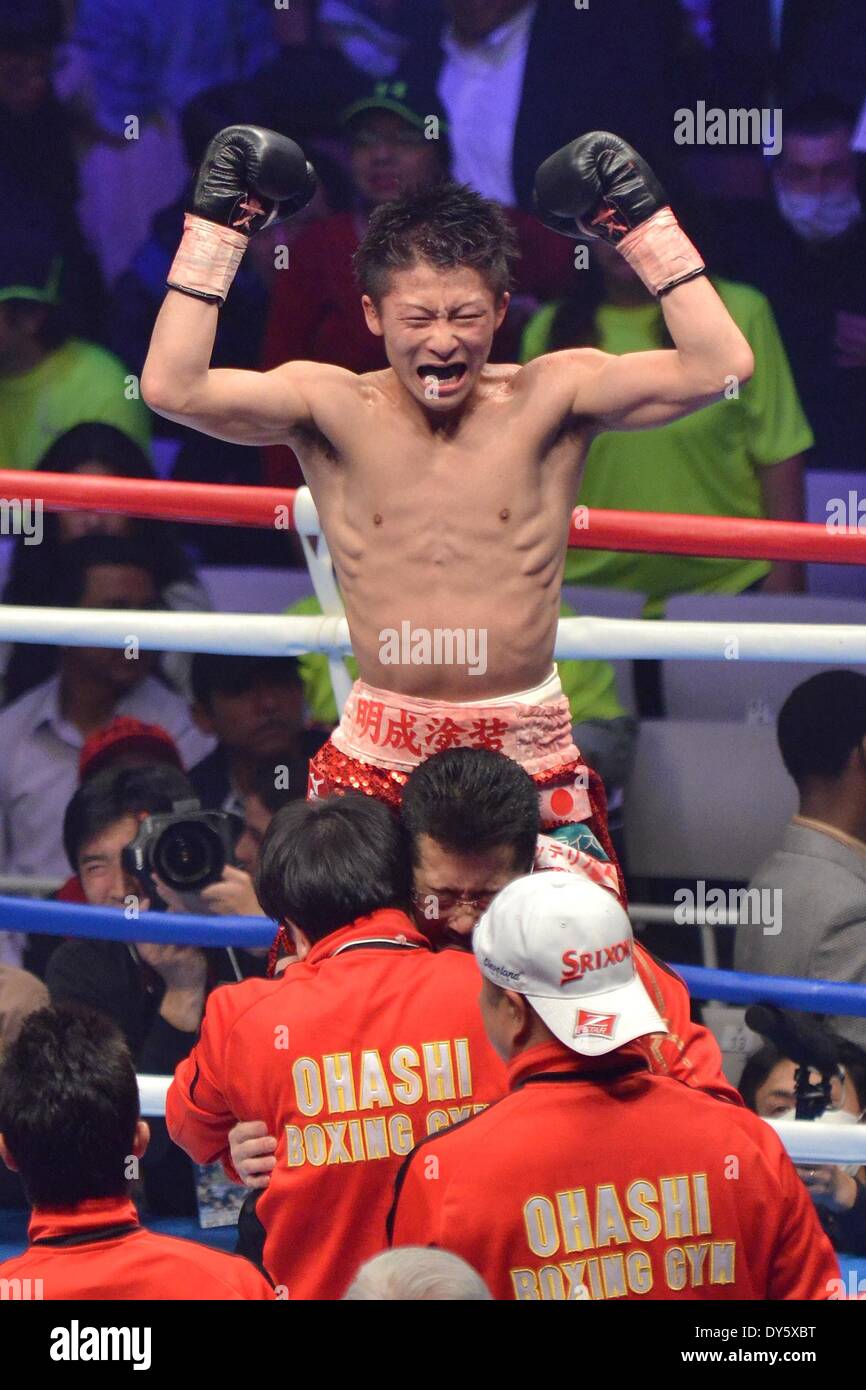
x=463 y=535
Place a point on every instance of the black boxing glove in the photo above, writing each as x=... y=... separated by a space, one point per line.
x=598 y=186
x=248 y=179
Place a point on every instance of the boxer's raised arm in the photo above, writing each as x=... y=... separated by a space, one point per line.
x=249 y=178
x=643 y=389
x=599 y=187
x=243 y=407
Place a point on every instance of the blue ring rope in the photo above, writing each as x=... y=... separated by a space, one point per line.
x=112 y=924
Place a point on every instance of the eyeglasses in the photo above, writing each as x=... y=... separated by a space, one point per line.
x=435 y=905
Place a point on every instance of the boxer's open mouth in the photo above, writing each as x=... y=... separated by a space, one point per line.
x=452 y=374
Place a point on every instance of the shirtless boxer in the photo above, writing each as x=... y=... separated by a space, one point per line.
x=444 y=485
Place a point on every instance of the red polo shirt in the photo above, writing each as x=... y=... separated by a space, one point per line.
x=596 y=1174
x=99 y=1250
x=351 y=1058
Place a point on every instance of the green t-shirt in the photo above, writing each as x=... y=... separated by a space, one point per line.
x=589 y=685
x=77 y=382
x=707 y=463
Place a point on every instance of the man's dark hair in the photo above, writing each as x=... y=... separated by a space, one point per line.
x=74 y=558
x=235 y=675
x=818 y=115
x=821 y=723
x=446 y=224
x=31 y=26
x=117 y=792
x=470 y=799
x=69 y=1106
x=325 y=863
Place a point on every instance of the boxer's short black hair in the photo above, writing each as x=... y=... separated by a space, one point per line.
x=69 y=1106
x=821 y=723
x=325 y=863
x=446 y=224
x=470 y=799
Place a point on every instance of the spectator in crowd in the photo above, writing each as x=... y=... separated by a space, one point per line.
x=742 y=456
x=329 y=54
x=142 y=66
x=413 y=1275
x=271 y=784
x=819 y=869
x=380 y=1029
x=806 y=250
x=43 y=731
x=398 y=138
x=759 y=53
x=254 y=707
x=70 y=1124
x=561 y=1191
x=154 y=992
x=97 y=450
x=518 y=80
x=49 y=379
x=838 y=1190
x=38 y=172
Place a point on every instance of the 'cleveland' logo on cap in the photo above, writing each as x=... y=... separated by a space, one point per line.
x=575 y=965
x=590 y=1025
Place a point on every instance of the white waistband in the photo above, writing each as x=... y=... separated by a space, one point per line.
x=549 y=689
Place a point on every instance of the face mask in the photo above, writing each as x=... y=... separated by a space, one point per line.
x=818 y=216
x=832 y=1117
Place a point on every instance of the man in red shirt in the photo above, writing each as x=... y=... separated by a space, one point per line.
x=473 y=828
x=595 y=1177
x=472 y=820
x=367 y=1044
x=69 y=1123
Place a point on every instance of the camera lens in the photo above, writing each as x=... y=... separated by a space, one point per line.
x=188 y=855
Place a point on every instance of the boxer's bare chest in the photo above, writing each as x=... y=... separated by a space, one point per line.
x=490 y=481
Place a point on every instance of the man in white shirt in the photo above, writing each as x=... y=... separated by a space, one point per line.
x=41 y=733
x=518 y=77
x=481 y=85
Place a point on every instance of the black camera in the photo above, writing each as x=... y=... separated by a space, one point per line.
x=187 y=848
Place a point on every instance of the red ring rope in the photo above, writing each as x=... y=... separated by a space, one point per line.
x=226 y=504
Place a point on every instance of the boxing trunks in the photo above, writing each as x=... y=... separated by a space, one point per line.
x=382 y=737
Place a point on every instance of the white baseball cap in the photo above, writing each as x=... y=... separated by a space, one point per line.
x=567 y=944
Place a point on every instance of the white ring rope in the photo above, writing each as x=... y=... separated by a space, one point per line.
x=256 y=634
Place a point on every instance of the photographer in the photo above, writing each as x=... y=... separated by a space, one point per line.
x=154 y=992
x=838 y=1190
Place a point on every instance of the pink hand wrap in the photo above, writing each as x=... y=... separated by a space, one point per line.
x=660 y=252
x=207 y=258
